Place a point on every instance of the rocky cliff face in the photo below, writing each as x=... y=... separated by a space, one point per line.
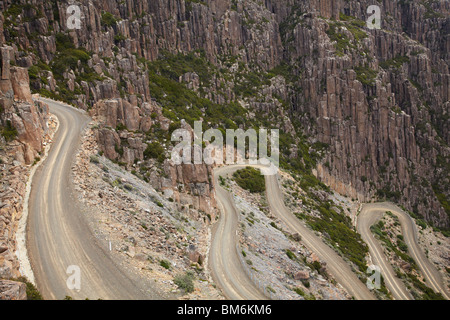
x=376 y=101
x=380 y=101
x=24 y=129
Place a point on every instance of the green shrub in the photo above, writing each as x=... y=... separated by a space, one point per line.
x=421 y=223
x=32 y=291
x=427 y=293
x=155 y=151
x=302 y=293
x=299 y=292
x=269 y=288
x=250 y=179
x=94 y=159
x=339 y=228
x=175 y=97
x=342 y=40
x=36 y=160
x=108 y=19
x=273 y=224
x=291 y=255
x=185 y=281
x=119 y=150
x=365 y=75
x=402 y=246
x=118 y=38
x=9 y=132
x=68 y=59
x=165 y=264
x=396 y=63
x=63 y=42
x=33 y=72
x=121 y=127
x=442 y=198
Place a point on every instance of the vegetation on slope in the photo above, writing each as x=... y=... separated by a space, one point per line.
x=398 y=248
x=250 y=179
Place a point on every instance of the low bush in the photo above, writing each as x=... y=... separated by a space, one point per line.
x=185 y=281
x=250 y=179
x=108 y=19
x=32 y=291
x=291 y=255
x=155 y=151
x=165 y=264
x=9 y=132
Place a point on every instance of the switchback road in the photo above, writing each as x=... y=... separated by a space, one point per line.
x=371 y=214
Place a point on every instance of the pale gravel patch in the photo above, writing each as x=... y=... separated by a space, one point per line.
x=265 y=246
x=117 y=217
x=437 y=249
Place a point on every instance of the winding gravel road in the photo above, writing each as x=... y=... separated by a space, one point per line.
x=226 y=268
x=336 y=265
x=58 y=235
x=226 y=265
x=371 y=214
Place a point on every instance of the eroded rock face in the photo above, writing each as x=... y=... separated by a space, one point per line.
x=27 y=117
x=21 y=84
x=384 y=137
x=380 y=134
x=11 y=290
x=108 y=141
x=29 y=122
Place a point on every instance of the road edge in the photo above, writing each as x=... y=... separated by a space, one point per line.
x=21 y=234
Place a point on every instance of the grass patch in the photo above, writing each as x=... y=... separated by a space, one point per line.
x=302 y=293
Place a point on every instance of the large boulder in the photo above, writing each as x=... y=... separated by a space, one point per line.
x=301 y=275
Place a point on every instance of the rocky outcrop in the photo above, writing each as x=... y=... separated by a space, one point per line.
x=29 y=119
x=112 y=113
x=24 y=128
x=21 y=84
x=14 y=80
x=11 y=290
